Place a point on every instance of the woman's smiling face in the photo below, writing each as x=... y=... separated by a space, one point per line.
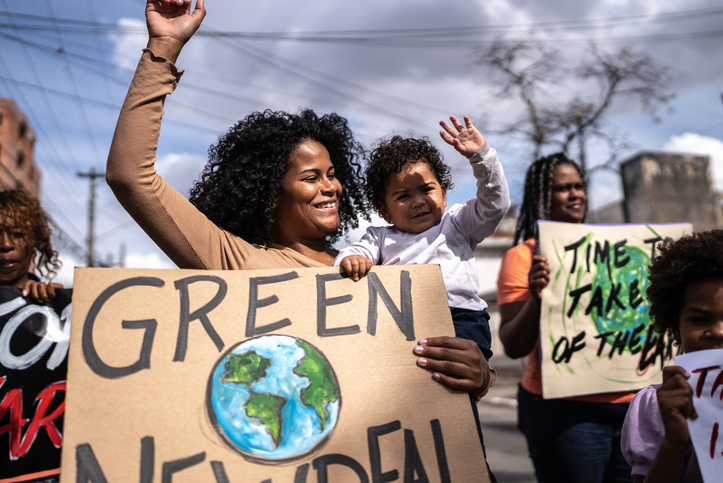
x=569 y=198
x=308 y=207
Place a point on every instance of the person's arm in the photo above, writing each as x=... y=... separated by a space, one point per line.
x=172 y=222
x=479 y=218
x=368 y=246
x=520 y=320
x=675 y=400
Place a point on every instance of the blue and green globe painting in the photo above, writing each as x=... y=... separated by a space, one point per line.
x=274 y=398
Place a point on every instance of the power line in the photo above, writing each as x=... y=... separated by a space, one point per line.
x=82 y=27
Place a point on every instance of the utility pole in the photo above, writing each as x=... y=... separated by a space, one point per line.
x=91 y=212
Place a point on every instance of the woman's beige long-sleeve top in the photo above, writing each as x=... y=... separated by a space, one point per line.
x=185 y=234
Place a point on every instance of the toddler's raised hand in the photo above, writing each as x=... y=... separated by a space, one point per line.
x=356 y=266
x=466 y=140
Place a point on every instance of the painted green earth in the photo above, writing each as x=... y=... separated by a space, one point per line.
x=281 y=384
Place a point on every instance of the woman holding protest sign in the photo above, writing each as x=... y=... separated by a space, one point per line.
x=278 y=189
x=572 y=439
x=25 y=248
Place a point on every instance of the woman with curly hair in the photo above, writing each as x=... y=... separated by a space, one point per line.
x=570 y=439
x=278 y=189
x=686 y=301
x=25 y=230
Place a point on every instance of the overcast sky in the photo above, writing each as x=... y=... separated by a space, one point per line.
x=68 y=65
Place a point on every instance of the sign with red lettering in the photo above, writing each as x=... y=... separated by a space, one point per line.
x=706 y=431
x=595 y=332
x=33 y=366
x=276 y=375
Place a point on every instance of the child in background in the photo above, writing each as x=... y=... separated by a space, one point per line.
x=686 y=301
x=407 y=182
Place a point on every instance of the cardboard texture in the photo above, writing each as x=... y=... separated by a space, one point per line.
x=220 y=404
x=595 y=333
x=706 y=379
x=33 y=366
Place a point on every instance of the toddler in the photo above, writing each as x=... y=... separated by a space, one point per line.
x=686 y=301
x=407 y=182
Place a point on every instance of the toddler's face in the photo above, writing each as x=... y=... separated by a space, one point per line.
x=701 y=316
x=414 y=200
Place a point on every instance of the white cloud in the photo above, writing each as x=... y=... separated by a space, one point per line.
x=180 y=169
x=128 y=46
x=146 y=260
x=698 y=144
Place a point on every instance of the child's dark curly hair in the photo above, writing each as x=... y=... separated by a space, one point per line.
x=243 y=179
x=22 y=209
x=689 y=259
x=391 y=155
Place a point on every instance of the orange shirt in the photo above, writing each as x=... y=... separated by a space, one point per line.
x=512 y=286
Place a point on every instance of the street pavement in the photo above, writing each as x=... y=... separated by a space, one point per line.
x=506 y=446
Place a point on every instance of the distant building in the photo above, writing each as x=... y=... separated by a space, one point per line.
x=666 y=188
x=17 y=139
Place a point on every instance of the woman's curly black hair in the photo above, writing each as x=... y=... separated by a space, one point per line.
x=391 y=155
x=243 y=179
x=537 y=197
x=22 y=209
x=694 y=257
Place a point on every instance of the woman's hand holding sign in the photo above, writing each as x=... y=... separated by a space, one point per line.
x=457 y=363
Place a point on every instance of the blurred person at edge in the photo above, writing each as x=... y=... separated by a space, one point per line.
x=574 y=439
x=25 y=247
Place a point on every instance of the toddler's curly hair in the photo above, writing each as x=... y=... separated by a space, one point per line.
x=391 y=155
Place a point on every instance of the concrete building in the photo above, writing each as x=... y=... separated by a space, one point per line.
x=665 y=188
x=17 y=139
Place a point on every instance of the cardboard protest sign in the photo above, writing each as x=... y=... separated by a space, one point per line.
x=706 y=379
x=595 y=333
x=33 y=366
x=258 y=376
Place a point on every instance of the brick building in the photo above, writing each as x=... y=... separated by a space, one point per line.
x=17 y=162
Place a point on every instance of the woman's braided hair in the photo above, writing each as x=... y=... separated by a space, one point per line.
x=537 y=198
